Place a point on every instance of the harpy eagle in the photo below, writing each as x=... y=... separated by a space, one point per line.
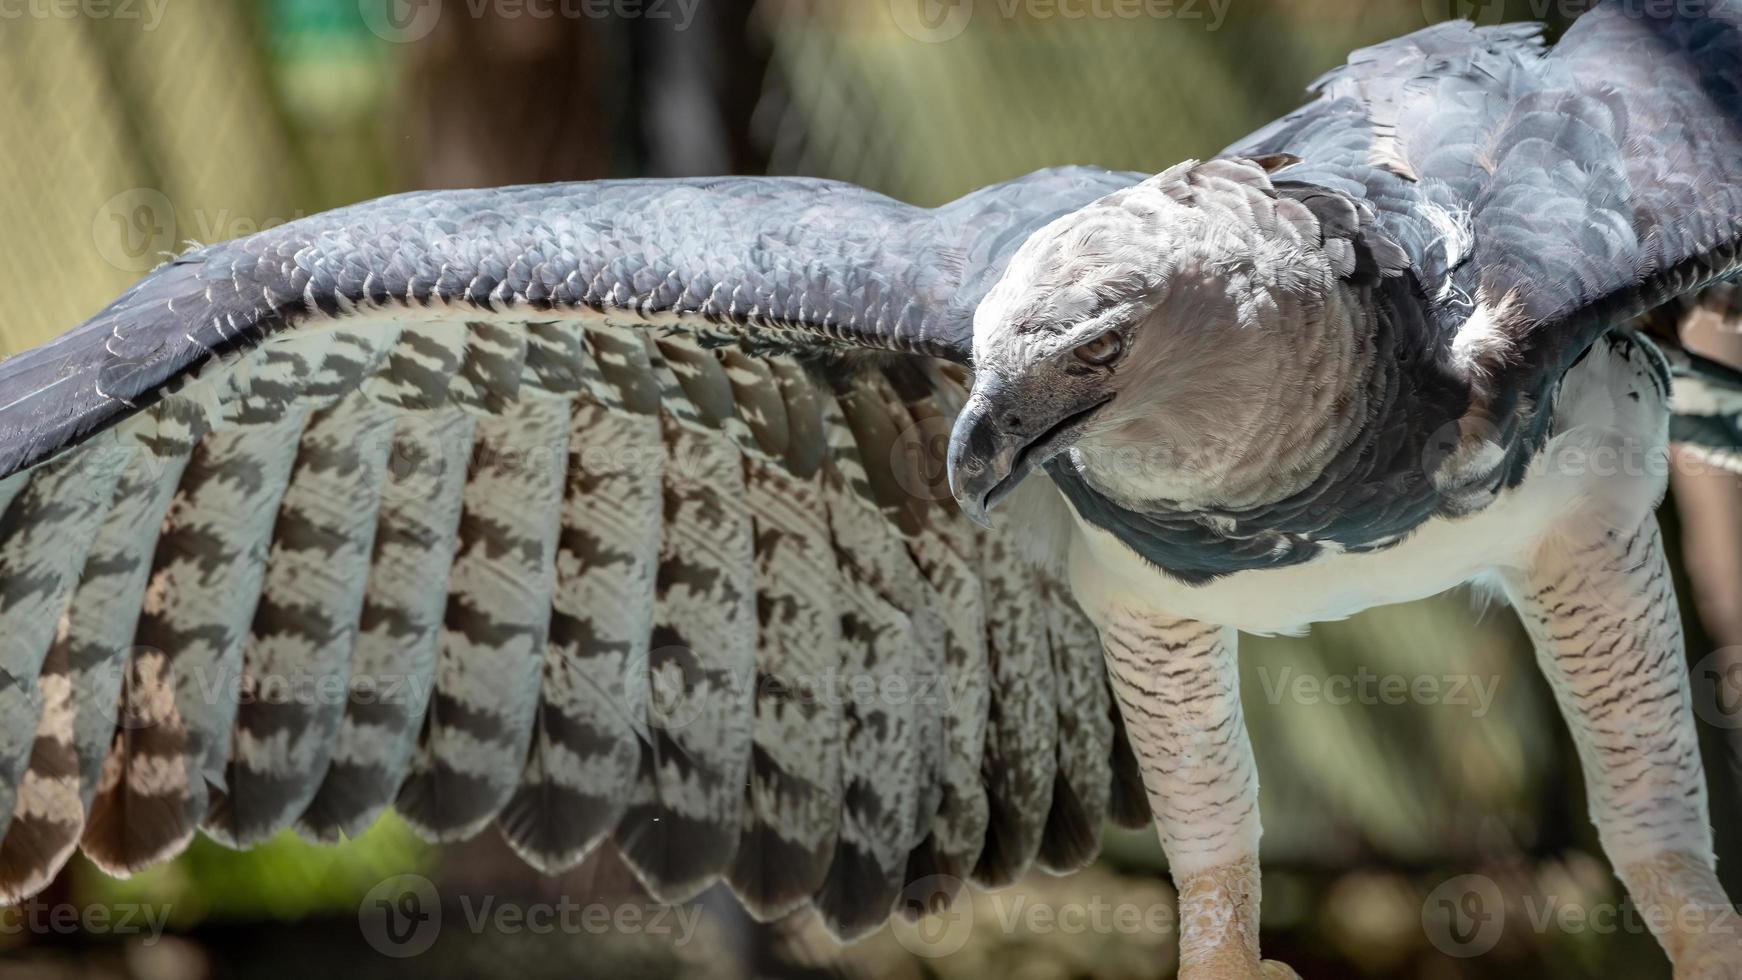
x=616 y=510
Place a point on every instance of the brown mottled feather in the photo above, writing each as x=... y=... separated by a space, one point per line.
x=946 y=553
x=592 y=711
x=399 y=627
x=48 y=813
x=296 y=666
x=681 y=830
x=39 y=572
x=1022 y=734
x=883 y=622
x=1082 y=785
x=479 y=721
x=793 y=797
x=579 y=581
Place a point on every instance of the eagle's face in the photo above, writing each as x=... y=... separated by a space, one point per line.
x=1142 y=321
x=1045 y=375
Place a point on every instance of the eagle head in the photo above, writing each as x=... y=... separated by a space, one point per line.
x=1142 y=321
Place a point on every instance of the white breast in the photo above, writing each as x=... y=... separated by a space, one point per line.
x=1605 y=461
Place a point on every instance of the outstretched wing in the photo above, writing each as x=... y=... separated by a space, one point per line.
x=1403 y=126
x=1543 y=195
x=578 y=509
x=1617 y=179
x=807 y=263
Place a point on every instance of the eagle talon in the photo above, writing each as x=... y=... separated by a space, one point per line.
x=1254 y=969
x=1714 y=959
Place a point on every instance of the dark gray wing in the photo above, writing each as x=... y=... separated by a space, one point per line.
x=1617 y=178
x=1544 y=196
x=560 y=508
x=1567 y=189
x=795 y=262
x=1403 y=126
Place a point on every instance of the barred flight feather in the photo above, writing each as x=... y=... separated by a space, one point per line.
x=48 y=813
x=592 y=714
x=299 y=652
x=399 y=627
x=1080 y=789
x=682 y=830
x=793 y=795
x=184 y=680
x=943 y=550
x=1021 y=760
x=65 y=502
x=882 y=623
x=574 y=579
x=478 y=725
x=103 y=614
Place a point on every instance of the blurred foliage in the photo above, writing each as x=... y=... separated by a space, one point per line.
x=284 y=879
x=928 y=121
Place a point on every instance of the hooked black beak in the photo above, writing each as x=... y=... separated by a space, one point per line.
x=994 y=445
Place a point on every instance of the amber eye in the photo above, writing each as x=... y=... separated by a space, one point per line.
x=1101 y=351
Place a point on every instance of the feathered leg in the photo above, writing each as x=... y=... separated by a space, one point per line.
x=1179 y=693
x=1600 y=605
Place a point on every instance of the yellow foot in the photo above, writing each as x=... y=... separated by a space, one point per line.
x=1219 y=926
x=1700 y=929
x=1234 y=969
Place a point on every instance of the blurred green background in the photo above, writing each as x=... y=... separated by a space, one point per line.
x=135 y=126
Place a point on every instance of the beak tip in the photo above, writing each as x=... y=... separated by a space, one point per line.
x=972 y=505
x=976 y=512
